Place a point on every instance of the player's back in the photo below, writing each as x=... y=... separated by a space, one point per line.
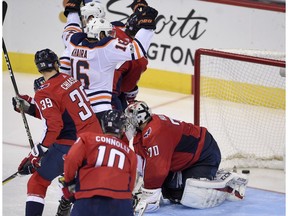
x=110 y=169
x=65 y=107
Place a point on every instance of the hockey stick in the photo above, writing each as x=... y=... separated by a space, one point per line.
x=17 y=94
x=4 y=10
x=10 y=178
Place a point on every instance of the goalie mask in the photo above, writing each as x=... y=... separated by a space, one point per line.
x=45 y=60
x=90 y=10
x=113 y=121
x=138 y=113
x=97 y=25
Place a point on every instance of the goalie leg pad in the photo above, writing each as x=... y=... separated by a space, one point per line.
x=202 y=194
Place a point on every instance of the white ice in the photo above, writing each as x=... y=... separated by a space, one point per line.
x=265 y=194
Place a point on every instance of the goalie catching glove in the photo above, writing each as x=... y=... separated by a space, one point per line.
x=149 y=201
x=33 y=161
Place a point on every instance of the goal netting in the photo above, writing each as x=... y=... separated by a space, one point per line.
x=239 y=95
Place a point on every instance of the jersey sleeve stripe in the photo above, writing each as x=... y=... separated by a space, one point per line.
x=100 y=98
x=137 y=49
x=141 y=47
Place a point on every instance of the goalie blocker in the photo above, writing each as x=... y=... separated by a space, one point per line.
x=204 y=193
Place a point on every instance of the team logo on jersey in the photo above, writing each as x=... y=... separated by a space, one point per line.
x=44 y=86
x=147 y=133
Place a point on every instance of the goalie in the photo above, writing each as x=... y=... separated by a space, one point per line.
x=180 y=162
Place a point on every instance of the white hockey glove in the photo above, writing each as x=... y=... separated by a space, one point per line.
x=149 y=201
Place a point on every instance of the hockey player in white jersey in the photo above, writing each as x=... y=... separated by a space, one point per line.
x=95 y=54
x=74 y=11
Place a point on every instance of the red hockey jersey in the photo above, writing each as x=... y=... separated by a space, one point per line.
x=128 y=74
x=65 y=110
x=107 y=166
x=167 y=145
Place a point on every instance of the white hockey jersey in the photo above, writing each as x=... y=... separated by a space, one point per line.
x=94 y=63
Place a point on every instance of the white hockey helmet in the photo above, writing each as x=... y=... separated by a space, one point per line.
x=90 y=10
x=97 y=25
x=138 y=113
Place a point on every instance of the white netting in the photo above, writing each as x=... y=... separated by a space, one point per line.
x=243 y=105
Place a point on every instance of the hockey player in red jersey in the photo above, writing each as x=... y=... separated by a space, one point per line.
x=66 y=111
x=105 y=170
x=181 y=160
x=126 y=77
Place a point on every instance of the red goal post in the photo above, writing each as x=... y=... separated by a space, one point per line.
x=239 y=95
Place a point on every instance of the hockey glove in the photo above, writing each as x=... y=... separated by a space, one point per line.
x=25 y=167
x=38 y=83
x=131 y=95
x=68 y=189
x=72 y=6
x=33 y=161
x=26 y=101
x=146 y=18
x=149 y=201
x=138 y=5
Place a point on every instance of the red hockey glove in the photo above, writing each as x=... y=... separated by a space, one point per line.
x=33 y=161
x=25 y=167
x=36 y=154
x=68 y=189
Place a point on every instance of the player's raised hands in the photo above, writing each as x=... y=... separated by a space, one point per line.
x=138 y=5
x=146 y=18
x=72 y=6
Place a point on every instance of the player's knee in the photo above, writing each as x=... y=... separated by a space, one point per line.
x=37 y=185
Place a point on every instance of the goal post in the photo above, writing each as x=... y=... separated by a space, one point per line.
x=239 y=95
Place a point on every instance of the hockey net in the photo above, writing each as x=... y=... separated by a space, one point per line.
x=239 y=95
